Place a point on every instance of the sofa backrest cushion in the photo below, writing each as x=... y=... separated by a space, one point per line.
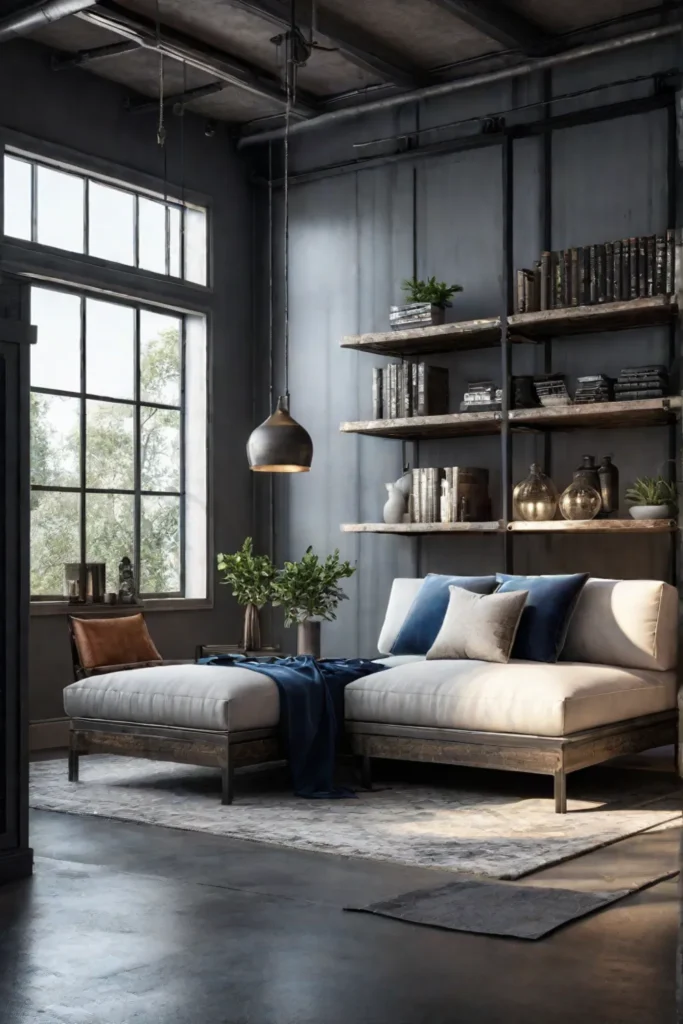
x=551 y=601
x=403 y=593
x=629 y=623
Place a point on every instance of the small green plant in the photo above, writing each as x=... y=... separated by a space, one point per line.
x=648 y=490
x=437 y=293
x=250 y=576
x=310 y=588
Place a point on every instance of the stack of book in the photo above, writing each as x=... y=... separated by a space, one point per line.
x=630 y=268
x=481 y=396
x=551 y=390
x=636 y=382
x=409 y=389
x=596 y=388
x=451 y=495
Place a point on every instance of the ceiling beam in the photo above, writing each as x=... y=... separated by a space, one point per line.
x=178 y=46
x=82 y=57
x=498 y=21
x=356 y=45
x=177 y=102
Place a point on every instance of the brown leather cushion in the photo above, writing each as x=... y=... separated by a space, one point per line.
x=117 y=641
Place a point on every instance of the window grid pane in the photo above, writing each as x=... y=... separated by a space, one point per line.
x=72 y=211
x=108 y=475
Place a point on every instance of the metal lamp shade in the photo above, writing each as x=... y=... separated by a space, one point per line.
x=280 y=444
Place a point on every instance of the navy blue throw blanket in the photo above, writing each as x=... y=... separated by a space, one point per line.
x=311 y=713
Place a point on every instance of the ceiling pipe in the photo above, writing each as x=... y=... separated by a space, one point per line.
x=39 y=15
x=428 y=92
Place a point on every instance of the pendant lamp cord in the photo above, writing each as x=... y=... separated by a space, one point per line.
x=289 y=74
x=271 y=368
x=161 y=128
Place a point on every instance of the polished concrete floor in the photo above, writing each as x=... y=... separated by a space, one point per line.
x=136 y=924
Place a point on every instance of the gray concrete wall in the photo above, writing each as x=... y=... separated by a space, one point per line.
x=79 y=110
x=351 y=246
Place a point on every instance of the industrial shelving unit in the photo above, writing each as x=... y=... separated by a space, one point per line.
x=539 y=328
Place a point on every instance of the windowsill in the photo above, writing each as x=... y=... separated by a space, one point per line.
x=166 y=604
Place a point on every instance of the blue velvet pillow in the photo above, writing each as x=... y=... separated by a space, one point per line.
x=545 y=620
x=428 y=610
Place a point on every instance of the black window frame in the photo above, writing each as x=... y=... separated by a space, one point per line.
x=182 y=204
x=83 y=396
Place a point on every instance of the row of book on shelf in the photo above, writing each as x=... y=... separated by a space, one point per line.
x=414 y=389
x=454 y=494
x=629 y=268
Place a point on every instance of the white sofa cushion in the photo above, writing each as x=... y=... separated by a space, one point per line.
x=520 y=697
x=631 y=623
x=188 y=696
x=403 y=593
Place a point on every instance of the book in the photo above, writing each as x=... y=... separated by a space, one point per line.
x=600 y=269
x=393 y=392
x=585 y=276
x=642 y=267
x=377 y=393
x=521 y=291
x=670 y=262
x=385 y=393
x=660 y=265
x=625 y=268
x=566 y=278
x=536 y=274
x=415 y=507
x=430 y=390
x=575 y=277
x=650 y=264
x=593 y=274
x=558 y=272
x=545 y=280
x=617 y=272
x=609 y=272
x=633 y=284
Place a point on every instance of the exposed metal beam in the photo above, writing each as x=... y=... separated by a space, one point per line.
x=357 y=46
x=179 y=100
x=76 y=60
x=500 y=22
x=183 y=48
x=528 y=67
x=37 y=15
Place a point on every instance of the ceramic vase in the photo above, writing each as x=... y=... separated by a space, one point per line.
x=651 y=512
x=251 y=636
x=308 y=638
x=395 y=506
x=609 y=485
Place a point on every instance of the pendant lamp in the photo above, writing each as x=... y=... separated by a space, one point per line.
x=280 y=444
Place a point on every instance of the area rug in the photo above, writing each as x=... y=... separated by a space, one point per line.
x=483 y=823
x=498 y=908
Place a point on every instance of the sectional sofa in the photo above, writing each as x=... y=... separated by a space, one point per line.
x=613 y=691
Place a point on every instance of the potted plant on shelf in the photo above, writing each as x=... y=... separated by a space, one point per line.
x=309 y=592
x=251 y=578
x=427 y=302
x=652 y=498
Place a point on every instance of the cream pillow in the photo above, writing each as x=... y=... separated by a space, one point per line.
x=478 y=627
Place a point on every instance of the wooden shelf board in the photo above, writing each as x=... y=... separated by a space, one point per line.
x=596 y=526
x=605 y=415
x=460 y=336
x=495 y=526
x=608 y=316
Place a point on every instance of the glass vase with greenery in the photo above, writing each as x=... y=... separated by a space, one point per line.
x=308 y=592
x=251 y=578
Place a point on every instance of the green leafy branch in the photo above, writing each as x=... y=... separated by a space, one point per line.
x=250 y=576
x=437 y=293
x=310 y=588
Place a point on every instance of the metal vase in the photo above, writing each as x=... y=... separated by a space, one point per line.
x=308 y=638
x=251 y=638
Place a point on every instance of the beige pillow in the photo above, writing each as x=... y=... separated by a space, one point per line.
x=479 y=627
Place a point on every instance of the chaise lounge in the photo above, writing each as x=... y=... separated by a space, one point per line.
x=612 y=692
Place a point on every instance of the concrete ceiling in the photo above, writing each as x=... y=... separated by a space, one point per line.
x=366 y=47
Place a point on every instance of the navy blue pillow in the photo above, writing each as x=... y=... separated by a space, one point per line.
x=428 y=610
x=545 y=620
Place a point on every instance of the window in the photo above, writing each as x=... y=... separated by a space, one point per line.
x=66 y=208
x=118 y=409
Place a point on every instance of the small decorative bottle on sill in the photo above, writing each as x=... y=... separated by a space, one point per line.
x=126 y=582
